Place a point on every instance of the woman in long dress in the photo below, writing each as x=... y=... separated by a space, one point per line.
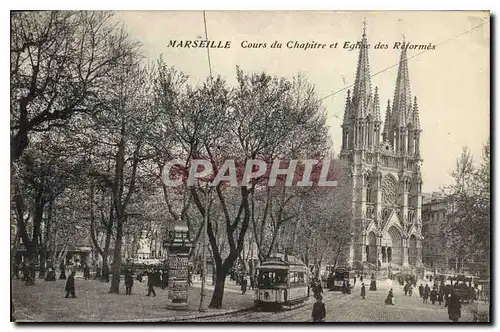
x=454 y=307
x=389 y=299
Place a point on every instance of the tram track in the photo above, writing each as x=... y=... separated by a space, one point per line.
x=301 y=313
x=306 y=308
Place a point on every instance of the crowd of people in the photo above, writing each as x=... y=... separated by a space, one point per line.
x=440 y=293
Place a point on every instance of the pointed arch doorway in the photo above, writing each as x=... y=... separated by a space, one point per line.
x=393 y=243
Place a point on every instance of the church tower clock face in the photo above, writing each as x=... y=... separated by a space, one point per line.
x=389 y=190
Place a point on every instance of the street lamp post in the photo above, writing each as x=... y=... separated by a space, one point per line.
x=178 y=245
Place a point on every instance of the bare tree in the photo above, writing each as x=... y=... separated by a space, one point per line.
x=59 y=62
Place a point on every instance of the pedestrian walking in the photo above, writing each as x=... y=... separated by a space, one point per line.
x=129 y=282
x=454 y=307
x=421 y=290
x=157 y=278
x=410 y=290
x=97 y=272
x=164 y=279
x=62 y=268
x=363 y=291
x=319 y=310
x=51 y=275
x=70 y=285
x=440 y=296
x=433 y=296
x=390 y=298
x=151 y=282
x=244 y=283
x=317 y=289
x=86 y=272
x=426 y=293
x=406 y=289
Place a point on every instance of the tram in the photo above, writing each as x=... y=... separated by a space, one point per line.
x=337 y=279
x=281 y=281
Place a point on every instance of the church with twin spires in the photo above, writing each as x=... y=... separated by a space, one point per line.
x=383 y=162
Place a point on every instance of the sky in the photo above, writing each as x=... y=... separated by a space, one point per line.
x=451 y=82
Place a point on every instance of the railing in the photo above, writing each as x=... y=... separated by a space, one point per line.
x=390 y=161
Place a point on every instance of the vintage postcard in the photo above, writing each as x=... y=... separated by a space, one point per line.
x=250 y=166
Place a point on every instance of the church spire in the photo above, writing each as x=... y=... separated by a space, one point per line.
x=376 y=106
x=347 y=111
x=415 y=120
x=402 y=97
x=362 y=84
x=387 y=122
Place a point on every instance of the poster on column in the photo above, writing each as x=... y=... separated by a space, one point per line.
x=299 y=148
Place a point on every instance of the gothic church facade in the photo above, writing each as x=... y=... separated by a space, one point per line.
x=383 y=161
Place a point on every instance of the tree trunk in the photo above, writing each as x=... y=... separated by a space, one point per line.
x=31 y=252
x=43 y=255
x=105 y=250
x=220 y=280
x=117 y=257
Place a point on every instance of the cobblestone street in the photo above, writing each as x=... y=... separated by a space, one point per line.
x=351 y=308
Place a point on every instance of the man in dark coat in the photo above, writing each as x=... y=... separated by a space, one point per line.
x=454 y=307
x=158 y=278
x=51 y=275
x=129 y=282
x=163 y=279
x=433 y=296
x=426 y=293
x=440 y=295
x=319 y=310
x=317 y=289
x=421 y=290
x=70 y=285
x=86 y=272
x=373 y=283
x=244 y=284
x=62 y=268
x=363 y=291
x=151 y=283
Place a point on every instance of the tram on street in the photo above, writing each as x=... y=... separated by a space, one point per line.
x=337 y=278
x=464 y=286
x=281 y=281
